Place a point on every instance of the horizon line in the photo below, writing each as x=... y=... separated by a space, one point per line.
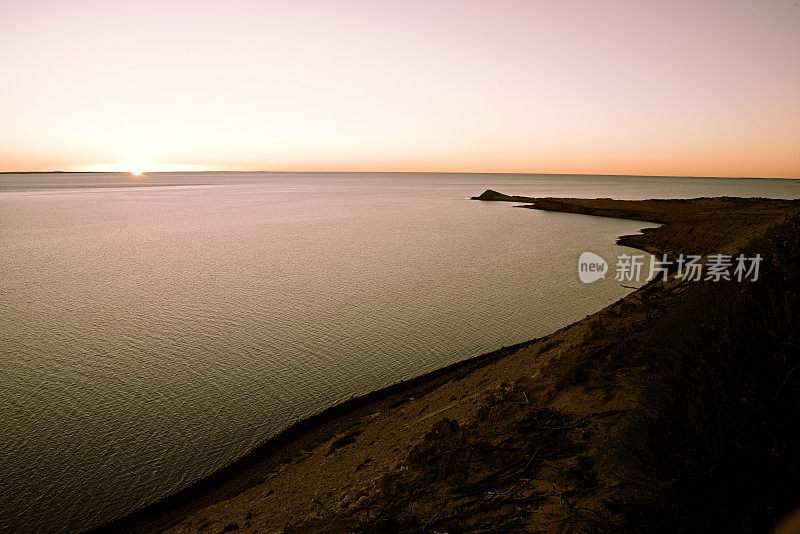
x=417 y=172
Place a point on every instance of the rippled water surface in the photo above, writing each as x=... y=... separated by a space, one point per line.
x=154 y=330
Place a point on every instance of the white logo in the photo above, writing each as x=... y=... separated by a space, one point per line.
x=591 y=267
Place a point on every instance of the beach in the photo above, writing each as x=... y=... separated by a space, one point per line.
x=560 y=432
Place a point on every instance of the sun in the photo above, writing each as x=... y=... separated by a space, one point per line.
x=136 y=170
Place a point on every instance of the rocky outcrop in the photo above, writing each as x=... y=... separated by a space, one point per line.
x=495 y=196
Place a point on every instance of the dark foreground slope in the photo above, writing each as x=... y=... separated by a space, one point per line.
x=673 y=409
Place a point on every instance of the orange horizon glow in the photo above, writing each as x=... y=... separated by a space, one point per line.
x=614 y=88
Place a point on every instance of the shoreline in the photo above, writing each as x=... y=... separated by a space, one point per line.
x=229 y=479
x=306 y=439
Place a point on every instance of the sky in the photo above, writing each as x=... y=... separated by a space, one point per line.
x=697 y=88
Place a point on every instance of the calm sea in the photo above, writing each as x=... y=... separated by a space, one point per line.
x=153 y=330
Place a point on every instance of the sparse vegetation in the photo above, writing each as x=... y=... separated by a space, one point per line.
x=477 y=477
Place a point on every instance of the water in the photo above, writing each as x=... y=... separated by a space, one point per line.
x=153 y=330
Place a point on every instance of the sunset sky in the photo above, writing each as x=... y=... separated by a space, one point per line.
x=704 y=88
